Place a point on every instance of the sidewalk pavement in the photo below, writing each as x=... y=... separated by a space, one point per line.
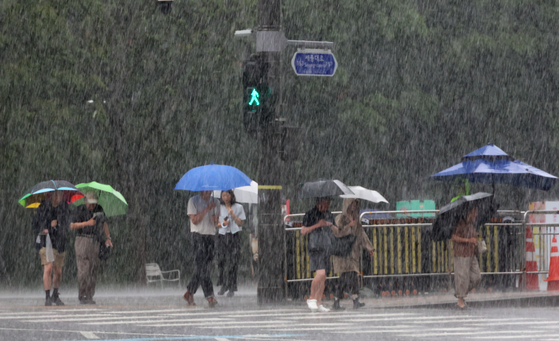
x=245 y=298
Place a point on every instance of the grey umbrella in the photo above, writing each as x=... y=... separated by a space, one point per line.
x=323 y=188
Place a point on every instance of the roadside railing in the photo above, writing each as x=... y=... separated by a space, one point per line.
x=408 y=260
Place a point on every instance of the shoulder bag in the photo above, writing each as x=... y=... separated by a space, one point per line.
x=342 y=246
x=319 y=241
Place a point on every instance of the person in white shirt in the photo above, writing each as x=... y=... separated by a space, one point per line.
x=203 y=210
x=231 y=219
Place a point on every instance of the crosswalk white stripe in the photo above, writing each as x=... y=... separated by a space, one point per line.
x=90 y=335
x=522 y=336
x=516 y=323
x=145 y=311
x=120 y=318
x=346 y=329
x=470 y=320
x=48 y=311
x=414 y=318
x=60 y=317
x=182 y=323
x=111 y=318
x=341 y=315
x=480 y=333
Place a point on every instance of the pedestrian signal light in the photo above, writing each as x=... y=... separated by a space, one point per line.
x=254 y=97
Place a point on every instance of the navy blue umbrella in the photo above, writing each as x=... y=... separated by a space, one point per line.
x=491 y=165
x=212 y=177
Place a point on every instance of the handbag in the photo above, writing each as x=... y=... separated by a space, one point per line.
x=104 y=251
x=319 y=241
x=481 y=247
x=342 y=246
x=38 y=243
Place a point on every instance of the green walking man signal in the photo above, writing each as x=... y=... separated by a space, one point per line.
x=254 y=97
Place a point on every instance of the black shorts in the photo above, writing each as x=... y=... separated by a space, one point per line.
x=320 y=260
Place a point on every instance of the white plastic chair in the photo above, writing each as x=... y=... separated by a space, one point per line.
x=154 y=275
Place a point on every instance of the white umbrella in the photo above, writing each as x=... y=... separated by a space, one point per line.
x=365 y=194
x=245 y=194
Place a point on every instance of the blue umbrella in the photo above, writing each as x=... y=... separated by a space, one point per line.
x=491 y=165
x=212 y=177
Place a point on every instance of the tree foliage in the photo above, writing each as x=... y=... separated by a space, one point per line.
x=117 y=92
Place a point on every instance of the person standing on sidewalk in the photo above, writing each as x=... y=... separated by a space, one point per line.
x=231 y=218
x=318 y=220
x=51 y=225
x=90 y=222
x=466 y=267
x=203 y=210
x=348 y=267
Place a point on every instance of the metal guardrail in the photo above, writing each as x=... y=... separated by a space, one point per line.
x=407 y=231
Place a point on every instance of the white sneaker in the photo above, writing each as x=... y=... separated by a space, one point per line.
x=312 y=305
x=323 y=309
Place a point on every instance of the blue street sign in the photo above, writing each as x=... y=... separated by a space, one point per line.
x=314 y=63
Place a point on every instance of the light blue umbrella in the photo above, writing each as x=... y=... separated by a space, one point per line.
x=212 y=177
x=491 y=165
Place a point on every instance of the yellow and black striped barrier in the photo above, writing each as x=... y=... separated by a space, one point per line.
x=406 y=259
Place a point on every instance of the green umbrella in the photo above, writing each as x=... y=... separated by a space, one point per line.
x=112 y=201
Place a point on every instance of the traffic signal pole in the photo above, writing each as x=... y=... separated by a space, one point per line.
x=270 y=229
x=261 y=113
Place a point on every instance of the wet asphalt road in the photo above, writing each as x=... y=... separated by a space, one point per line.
x=140 y=317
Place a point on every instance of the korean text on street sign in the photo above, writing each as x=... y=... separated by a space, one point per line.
x=313 y=62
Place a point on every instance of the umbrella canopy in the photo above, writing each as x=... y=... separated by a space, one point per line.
x=323 y=188
x=365 y=194
x=38 y=193
x=111 y=200
x=245 y=194
x=212 y=177
x=491 y=165
x=451 y=214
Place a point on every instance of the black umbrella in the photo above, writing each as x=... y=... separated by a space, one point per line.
x=323 y=188
x=451 y=214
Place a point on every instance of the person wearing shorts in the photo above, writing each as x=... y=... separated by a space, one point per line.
x=51 y=222
x=318 y=220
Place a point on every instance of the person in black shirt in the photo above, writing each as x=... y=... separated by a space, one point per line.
x=318 y=221
x=51 y=222
x=90 y=223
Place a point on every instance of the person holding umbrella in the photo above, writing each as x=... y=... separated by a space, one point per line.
x=231 y=220
x=203 y=210
x=348 y=267
x=51 y=224
x=317 y=223
x=466 y=267
x=89 y=221
x=458 y=221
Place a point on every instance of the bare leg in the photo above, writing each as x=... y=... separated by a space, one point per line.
x=321 y=279
x=57 y=278
x=461 y=302
x=47 y=276
x=314 y=287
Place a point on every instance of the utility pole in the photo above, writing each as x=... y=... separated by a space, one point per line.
x=270 y=229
